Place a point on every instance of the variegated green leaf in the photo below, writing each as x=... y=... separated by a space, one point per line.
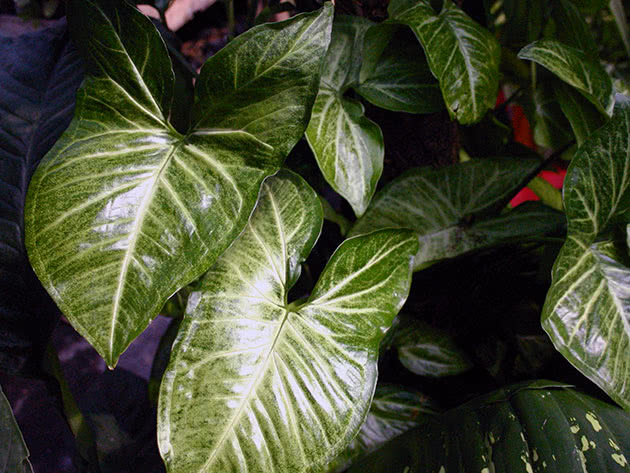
x=576 y=68
x=538 y=426
x=257 y=384
x=394 y=410
x=582 y=114
x=428 y=351
x=13 y=451
x=348 y=147
x=462 y=55
x=125 y=210
x=587 y=311
x=454 y=209
x=401 y=79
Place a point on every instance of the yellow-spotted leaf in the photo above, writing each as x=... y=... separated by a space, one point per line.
x=462 y=55
x=587 y=311
x=348 y=146
x=257 y=384
x=125 y=210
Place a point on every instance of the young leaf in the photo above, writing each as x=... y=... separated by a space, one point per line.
x=427 y=351
x=256 y=384
x=394 y=411
x=587 y=310
x=401 y=80
x=454 y=209
x=530 y=427
x=348 y=147
x=40 y=73
x=13 y=451
x=576 y=68
x=124 y=210
x=462 y=55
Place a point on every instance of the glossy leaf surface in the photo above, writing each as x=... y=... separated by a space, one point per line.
x=428 y=351
x=348 y=147
x=587 y=311
x=40 y=72
x=462 y=55
x=13 y=451
x=401 y=80
x=394 y=411
x=534 y=427
x=576 y=68
x=124 y=210
x=455 y=209
x=256 y=384
x=582 y=114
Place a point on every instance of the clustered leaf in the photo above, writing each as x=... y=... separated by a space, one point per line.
x=13 y=451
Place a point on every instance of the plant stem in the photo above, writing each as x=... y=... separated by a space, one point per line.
x=230 y=15
x=181 y=59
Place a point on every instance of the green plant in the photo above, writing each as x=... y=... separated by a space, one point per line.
x=154 y=201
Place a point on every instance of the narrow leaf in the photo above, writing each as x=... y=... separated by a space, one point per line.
x=587 y=310
x=462 y=55
x=576 y=68
x=348 y=147
x=13 y=451
x=256 y=384
x=401 y=80
x=40 y=73
x=455 y=209
x=124 y=210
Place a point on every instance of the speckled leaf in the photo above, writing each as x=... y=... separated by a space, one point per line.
x=348 y=147
x=13 y=451
x=394 y=411
x=462 y=55
x=428 y=351
x=576 y=68
x=455 y=209
x=124 y=210
x=587 y=311
x=40 y=72
x=401 y=79
x=256 y=384
x=532 y=427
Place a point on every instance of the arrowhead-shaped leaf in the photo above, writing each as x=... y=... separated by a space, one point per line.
x=13 y=451
x=462 y=55
x=256 y=384
x=401 y=80
x=348 y=147
x=428 y=351
x=125 y=210
x=455 y=209
x=40 y=72
x=394 y=411
x=587 y=311
x=576 y=68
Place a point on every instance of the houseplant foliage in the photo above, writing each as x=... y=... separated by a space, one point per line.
x=282 y=322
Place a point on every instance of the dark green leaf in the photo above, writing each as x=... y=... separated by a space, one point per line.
x=256 y=384
x=587 y=311
x=13 y=451
x=455 y=209
x=40 y=73
x=462 y=55
x=428 y=351
x=401 y=80
x=394 y=410
x=576 y=68
x=124 y=210
x=582 y=114
x=571 y=28
x=348 y=147
x=534 y=427
x=551 y=128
